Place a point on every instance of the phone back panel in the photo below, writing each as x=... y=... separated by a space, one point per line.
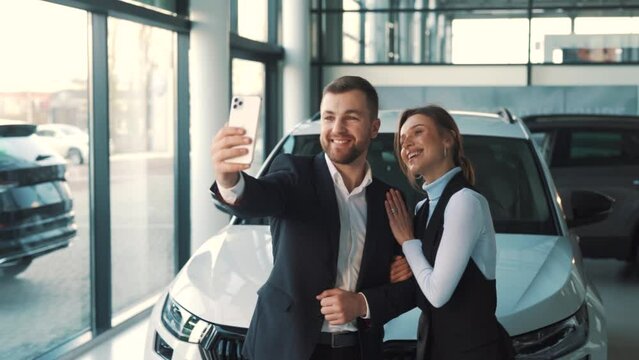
x=245 y=113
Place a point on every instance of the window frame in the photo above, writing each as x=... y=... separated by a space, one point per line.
x=98 y=12
x=271 y=54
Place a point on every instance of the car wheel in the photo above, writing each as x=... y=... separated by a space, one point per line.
x=75 y=156
x=15 y=267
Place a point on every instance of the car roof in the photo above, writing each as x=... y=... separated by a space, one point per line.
x=545 y=121
x=470 y=123
x=12 y=122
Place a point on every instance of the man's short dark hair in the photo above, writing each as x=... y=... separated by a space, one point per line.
x=348 y=83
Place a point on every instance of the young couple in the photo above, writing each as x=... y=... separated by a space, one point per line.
x=337 y=232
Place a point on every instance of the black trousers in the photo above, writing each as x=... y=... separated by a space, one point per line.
x=326 y=352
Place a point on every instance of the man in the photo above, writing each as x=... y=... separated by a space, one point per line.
x=327 y=296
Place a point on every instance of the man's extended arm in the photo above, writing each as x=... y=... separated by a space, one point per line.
x=266 y=196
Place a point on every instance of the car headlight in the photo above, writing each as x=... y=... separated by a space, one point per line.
x=554 y=340
x=182 y=324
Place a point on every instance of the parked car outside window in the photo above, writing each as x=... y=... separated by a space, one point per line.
x=597 y=153
x=69 y=141
x=545 y=300
x=36 y=210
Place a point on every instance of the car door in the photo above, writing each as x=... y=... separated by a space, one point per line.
x=51 y=137
x=605 y=160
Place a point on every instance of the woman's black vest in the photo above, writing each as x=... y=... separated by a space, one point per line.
x=467 y=321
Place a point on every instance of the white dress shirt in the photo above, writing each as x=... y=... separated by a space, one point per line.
x=352 y=235
x=468 y=233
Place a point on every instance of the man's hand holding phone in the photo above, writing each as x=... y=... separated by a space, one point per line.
x=233 y=146
x=225 y=146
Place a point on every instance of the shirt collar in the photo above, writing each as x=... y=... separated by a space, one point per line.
x=338 y=181
x=436 y=188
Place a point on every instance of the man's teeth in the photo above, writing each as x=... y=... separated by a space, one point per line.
x=340 y=141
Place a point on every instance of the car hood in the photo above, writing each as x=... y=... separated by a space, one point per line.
x=538 y=282
x=220 y=281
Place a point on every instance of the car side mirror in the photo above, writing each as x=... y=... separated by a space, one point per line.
x=589 y=207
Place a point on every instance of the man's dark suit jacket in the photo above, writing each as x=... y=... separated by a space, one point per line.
x=298 y=195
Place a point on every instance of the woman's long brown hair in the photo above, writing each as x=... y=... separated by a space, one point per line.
x=445 y=123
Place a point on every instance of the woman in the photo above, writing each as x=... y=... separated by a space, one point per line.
x=451 y=246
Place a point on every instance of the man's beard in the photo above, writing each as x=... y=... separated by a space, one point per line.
x=343 y=158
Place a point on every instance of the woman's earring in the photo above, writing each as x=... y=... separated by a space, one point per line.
x=445 y=151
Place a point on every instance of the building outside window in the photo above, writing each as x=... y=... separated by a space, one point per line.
x=44 y=300
x=141 y=128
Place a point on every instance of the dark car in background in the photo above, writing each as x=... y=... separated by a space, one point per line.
x=598 y=153
x=36 y=214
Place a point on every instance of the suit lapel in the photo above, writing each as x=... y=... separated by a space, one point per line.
x=325 y=189
x=375 y=217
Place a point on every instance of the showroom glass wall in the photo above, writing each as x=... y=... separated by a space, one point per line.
x=466 y=32
x=44 y=80
x=142 y=120
x=256 y=56
x=109 y=101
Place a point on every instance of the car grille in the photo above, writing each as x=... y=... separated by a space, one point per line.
x=223 y=343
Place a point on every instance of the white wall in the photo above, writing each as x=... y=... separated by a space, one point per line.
x=486 y=75
x=296 y=40
x=209 y=82
x=586 y=75
x=434 y=75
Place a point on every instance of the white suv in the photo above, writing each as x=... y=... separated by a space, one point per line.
x=545 y=301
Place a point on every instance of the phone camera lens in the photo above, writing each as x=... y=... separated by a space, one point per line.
x=240 y=103
x=234 y=106
x=235 y=100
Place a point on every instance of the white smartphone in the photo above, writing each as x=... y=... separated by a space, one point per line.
x=245 y=113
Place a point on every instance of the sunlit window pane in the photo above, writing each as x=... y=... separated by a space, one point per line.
x=44 y=296
x=490 y=41
x=141 y=125
x=352 y=37
x=377 y=37
x=544 y=29
x=394 y=36
x=606 y=25
x=252 y=19
x=595 y=40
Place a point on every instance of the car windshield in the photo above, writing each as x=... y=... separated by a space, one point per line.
x=506 y=174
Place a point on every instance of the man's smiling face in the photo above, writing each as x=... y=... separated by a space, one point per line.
x=346 y=126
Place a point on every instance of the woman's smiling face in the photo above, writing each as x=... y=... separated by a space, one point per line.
x=422 y=145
